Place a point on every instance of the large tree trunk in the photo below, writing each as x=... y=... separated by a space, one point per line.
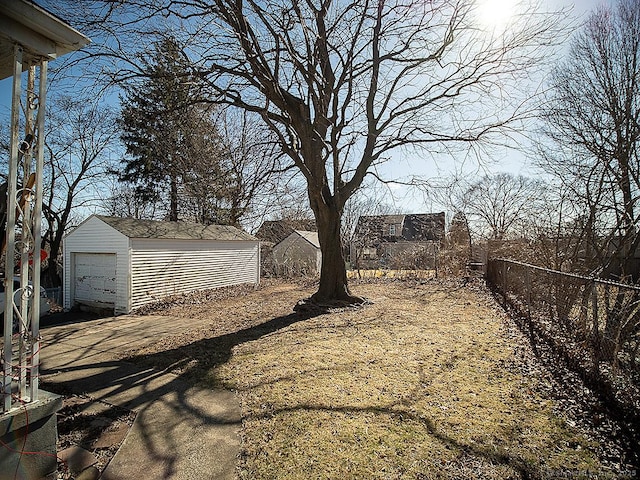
x=333 y=289
x=49 y=277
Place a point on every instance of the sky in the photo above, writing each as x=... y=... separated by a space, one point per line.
x=407 y=164
x=515 y=160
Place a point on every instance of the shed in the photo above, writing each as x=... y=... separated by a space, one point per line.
x=298 y=253
x=274 y=231
x=124 y=263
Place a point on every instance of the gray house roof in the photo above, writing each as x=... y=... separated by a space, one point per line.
x=277 y=230
x=392 y=219
x=410 y=227
x=134 y=228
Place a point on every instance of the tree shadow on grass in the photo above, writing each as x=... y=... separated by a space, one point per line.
x=92 y=370
x=525 y=470
x=402 y=410
x=163 y=401
x=195 y=360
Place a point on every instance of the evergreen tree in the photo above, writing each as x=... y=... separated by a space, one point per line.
x=175 y=155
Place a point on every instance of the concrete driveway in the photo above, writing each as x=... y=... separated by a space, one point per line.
x=180 y=431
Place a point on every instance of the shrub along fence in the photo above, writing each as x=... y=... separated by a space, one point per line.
x=592 y=324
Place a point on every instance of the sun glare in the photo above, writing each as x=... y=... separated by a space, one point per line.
x=495 y=14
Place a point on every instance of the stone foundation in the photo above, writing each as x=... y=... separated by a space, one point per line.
x=29 y=435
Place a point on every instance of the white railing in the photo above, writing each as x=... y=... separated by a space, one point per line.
x=21 y=346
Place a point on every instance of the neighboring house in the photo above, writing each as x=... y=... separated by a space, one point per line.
x=397 y=241
x=274 y=231
x=121 y=264
x=298 y=254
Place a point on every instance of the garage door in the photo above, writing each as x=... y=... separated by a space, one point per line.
x=94 y=279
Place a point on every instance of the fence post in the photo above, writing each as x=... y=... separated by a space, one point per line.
x=616 y=302
x=527 y=283
x=504 y=278
x=595 y=334
x=435 y=259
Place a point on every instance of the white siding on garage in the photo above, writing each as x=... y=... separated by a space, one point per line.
x=94 y=236
x=161 y=267
x=152 y=260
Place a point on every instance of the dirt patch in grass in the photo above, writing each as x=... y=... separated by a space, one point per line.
x=425 y=383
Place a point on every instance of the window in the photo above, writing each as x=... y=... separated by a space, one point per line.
x=369 y=252
x=392 y=229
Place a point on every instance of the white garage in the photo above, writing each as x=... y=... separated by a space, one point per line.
x=120 y=264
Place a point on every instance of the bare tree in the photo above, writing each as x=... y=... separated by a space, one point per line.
x=252 y=165
x=492 y=207
x=556 y=231
x=121 y=201
x=499 y=205
x=79 y=142
x=592 y=122
x=341 y=84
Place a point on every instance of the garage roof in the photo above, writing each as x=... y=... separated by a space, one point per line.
x=134 y=228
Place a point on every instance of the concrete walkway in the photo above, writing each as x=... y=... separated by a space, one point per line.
x=180 y=431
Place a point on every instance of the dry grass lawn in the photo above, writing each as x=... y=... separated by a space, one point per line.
x=422 y=384
x=401 y=274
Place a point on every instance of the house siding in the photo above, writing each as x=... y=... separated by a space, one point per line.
x=297 y=255
x=161 y=267
x=94 y=236
x=397 y=241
